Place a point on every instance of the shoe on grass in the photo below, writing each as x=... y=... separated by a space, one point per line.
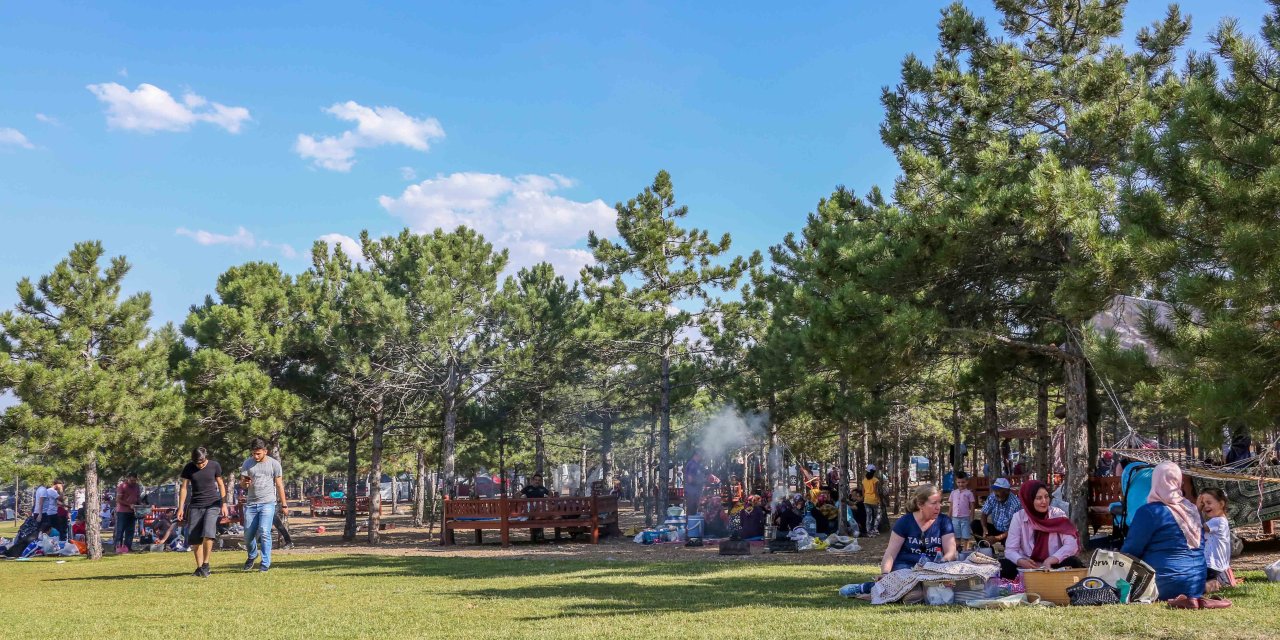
x=264 y=568
x=248 y=565
x=204 y=569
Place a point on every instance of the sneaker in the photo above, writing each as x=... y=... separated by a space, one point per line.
x=288 y=546
x=854 y=590
x=265 y=568
x=204 y=569
x=248 y=565
x=199 y=572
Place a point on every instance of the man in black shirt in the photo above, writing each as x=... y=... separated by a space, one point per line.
x=202 y=483
x=535 y=490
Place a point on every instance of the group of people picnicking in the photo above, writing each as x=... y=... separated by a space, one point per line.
x=204 y=508
x=736 y=512
x=1187 y=544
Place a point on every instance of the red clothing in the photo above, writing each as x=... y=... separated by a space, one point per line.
x=127 y=495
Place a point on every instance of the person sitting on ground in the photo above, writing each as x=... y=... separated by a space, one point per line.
x=1217 y=540
x=78 y=531
x=1040 y=535
x=923 y=533
x=858 y=511
x=752 y=518
x=788 y=514
x=715 y=522
x=962 y=502
x=825 y=515
x=998 y=512
x=1166 y=534
x=163 y=529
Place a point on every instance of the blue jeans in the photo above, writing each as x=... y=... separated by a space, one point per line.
x=257 y=524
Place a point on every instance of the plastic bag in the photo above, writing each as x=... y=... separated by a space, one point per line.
x=68 y=550
x=1273 y=571
x=939 y=595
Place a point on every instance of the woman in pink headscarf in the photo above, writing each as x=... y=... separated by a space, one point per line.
x=1166 y=534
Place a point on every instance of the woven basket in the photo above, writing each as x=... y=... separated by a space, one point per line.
x=1052 y=585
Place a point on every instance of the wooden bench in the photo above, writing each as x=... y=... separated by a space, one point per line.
x=325 y=505
x=1102 y=492
x=592 y=515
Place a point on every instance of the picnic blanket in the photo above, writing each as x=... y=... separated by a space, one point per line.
x=897 y=584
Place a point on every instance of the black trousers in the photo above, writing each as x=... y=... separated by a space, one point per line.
x=1009 y=570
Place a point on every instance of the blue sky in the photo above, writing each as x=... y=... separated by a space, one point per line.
x=529 y=119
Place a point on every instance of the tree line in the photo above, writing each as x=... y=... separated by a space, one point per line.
x=1046 y=167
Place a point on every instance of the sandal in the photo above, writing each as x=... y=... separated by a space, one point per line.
x=1215 y=602
x=1183 y=602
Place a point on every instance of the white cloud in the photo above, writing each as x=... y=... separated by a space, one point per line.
x=47 y=119
x=15 y=138
x=408 y=173
x=241 y=239
x=350 y=246
x=375 y=127
x=521 y=214
x=150 y=108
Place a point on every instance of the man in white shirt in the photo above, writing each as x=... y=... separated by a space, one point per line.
x=46 y=504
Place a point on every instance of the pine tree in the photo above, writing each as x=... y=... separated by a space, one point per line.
x=1205 y=234
x=1013 y=152
x=643 y=280
x=238 y=378
x=91 y=377
x=448 y=282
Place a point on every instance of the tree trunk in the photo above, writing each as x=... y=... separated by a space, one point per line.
x=375 y=478
x=650 y=481
x=583 y=478
x=1042 y=429
x=606 y=452
x=664 y=436
x=843 y=526
x=92 y=521
x=539 y=449
x=395 y=494
x=448 y=444
x=991 y=420
x=419 y=487
x=349 y=525
x=1077 y=429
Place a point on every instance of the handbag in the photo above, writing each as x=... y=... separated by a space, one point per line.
x=1092 y=592
x=1113 y=566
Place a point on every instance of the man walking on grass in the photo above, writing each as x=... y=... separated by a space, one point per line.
x=263 y=481
x=202 y=483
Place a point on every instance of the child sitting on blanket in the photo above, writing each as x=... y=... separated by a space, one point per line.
x=1217 y=539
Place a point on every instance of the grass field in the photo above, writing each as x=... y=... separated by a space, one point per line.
x=318 y=595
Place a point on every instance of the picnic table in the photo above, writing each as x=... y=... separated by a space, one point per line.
x=592 y=515
x=324 y=505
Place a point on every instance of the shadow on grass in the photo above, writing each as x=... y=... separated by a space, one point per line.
x=609 y=589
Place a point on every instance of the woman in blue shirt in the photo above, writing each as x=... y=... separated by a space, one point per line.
x=924 y=532
x=1165 y=534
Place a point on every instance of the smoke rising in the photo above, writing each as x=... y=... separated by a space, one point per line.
x=728 y=430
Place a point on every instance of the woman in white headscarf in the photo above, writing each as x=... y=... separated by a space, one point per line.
x=1166 y=535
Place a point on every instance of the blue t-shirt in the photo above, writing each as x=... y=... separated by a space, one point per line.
x=916 y=543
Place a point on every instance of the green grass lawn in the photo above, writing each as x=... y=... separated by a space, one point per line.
x=348 y=596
